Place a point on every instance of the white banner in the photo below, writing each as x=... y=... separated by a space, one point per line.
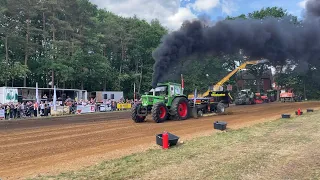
x=61 y=110
x=105 y=107
x=85 y=109
x=2 y=116
x=11 y=95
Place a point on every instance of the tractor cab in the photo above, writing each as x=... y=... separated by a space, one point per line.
x=166 y=89
x=159 y=91
x=246 y=92
x=164 y=92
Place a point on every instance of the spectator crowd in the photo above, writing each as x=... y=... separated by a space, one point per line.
x=31 y=109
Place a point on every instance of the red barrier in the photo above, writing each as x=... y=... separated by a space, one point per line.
x=165 y=140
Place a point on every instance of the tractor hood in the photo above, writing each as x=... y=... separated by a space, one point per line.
x=150 y=99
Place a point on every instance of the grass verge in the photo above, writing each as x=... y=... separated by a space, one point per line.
x=282 y=149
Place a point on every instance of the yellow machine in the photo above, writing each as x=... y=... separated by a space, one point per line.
x=226 y=78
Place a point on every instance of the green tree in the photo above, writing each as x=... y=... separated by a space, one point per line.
x=73 y=44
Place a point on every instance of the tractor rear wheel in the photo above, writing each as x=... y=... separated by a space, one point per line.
x=220 y=108
x=134 y=114
x=159 y=112
x=180 y=108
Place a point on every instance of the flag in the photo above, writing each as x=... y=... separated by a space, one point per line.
x=134 y=91
x=182 y=82
x=54 y=98
x=37 y=99
x=195 y=97
x=37 y=94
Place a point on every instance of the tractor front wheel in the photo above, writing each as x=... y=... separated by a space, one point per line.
x=134 y=114
x=159 y=112
x=180 y=108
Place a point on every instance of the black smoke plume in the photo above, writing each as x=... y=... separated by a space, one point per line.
x=275 y=39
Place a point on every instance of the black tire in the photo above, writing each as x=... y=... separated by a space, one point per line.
x=248 y=102
x=179 y=113
x=134 y=114
x=220 y=108
x=236 y=102
x=253 y=102
x=194 y=112
x=200 y=113
x=157 y=112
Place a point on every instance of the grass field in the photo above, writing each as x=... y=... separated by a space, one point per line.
x=282 y=149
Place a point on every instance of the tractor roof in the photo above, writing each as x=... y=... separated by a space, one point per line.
x=168 y=83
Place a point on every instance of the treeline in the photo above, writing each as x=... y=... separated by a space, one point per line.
x=73 y=44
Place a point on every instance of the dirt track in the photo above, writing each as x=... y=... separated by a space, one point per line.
x=46 y=147
x=50 y=121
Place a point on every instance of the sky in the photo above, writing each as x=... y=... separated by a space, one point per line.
x=172 y=13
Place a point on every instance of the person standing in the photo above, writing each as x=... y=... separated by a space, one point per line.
x=22 y=109
x=15 y=111
x=35 y=109
x=11 y=111
x=7 y=111
x=42 y=108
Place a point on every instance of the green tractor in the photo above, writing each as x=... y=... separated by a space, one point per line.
x=272 y=95
x=166 y=101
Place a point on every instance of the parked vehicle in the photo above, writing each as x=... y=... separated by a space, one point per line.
x=245 y=97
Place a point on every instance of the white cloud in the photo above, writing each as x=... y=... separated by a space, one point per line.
x=228 y=6
x=302 y=4
x=144 y=9
x=205 y=5
x=169 y=12
x=175 y=21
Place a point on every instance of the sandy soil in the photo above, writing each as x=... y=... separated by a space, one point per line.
x=51 y=148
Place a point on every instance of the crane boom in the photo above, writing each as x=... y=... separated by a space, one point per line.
x=242 y=66
x=226 y=78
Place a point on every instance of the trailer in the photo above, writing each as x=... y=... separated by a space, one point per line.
x=167 y=101
x=103 y=96
x=216 y=102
